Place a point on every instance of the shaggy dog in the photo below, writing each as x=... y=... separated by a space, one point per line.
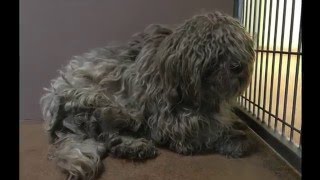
x=165 y=87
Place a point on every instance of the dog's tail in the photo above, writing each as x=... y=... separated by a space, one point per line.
x=74 y=152
x=52 y=112
x=78 y=156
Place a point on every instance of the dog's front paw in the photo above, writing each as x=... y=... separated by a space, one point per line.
x=235 y=145
x=136 y=149
x=239 y=125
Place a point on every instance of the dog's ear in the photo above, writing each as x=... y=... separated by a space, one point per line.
x=180 y=67
x=138 y=39
x=186 y=54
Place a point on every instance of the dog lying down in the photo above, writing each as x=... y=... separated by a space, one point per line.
x=165 y=87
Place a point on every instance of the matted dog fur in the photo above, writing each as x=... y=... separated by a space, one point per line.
x=164 y=87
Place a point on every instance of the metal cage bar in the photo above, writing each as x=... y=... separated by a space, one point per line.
x=288 y=67
x=265 y=103
x=252 y=34
x=261 y=60
x=267 y=58
x=256 y=61
x=280 y=63
x=246 y=25
x=273 y=59
x=295 y=88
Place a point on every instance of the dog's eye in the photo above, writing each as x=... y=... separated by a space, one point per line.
x=236 y=67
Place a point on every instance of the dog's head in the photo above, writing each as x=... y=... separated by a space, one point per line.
x=209 y=56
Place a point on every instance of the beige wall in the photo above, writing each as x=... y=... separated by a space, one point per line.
x=51 y=31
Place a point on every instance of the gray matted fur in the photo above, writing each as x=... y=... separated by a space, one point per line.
x=165 y=87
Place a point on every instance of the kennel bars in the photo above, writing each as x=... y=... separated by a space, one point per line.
x=271 y=105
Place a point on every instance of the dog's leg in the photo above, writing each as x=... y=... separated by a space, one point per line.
x=228 y=118
x=239 y=125
x=179 y=132
x=190 y=133
x=117 y=120
x=233 y=143
x=185 y=147
x=232 y=140
x=236 y=122
x=134 y=148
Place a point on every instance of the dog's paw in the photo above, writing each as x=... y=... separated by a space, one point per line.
x=136 y=149
x=239 y=125
x=236 y=145
x=184 y=148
